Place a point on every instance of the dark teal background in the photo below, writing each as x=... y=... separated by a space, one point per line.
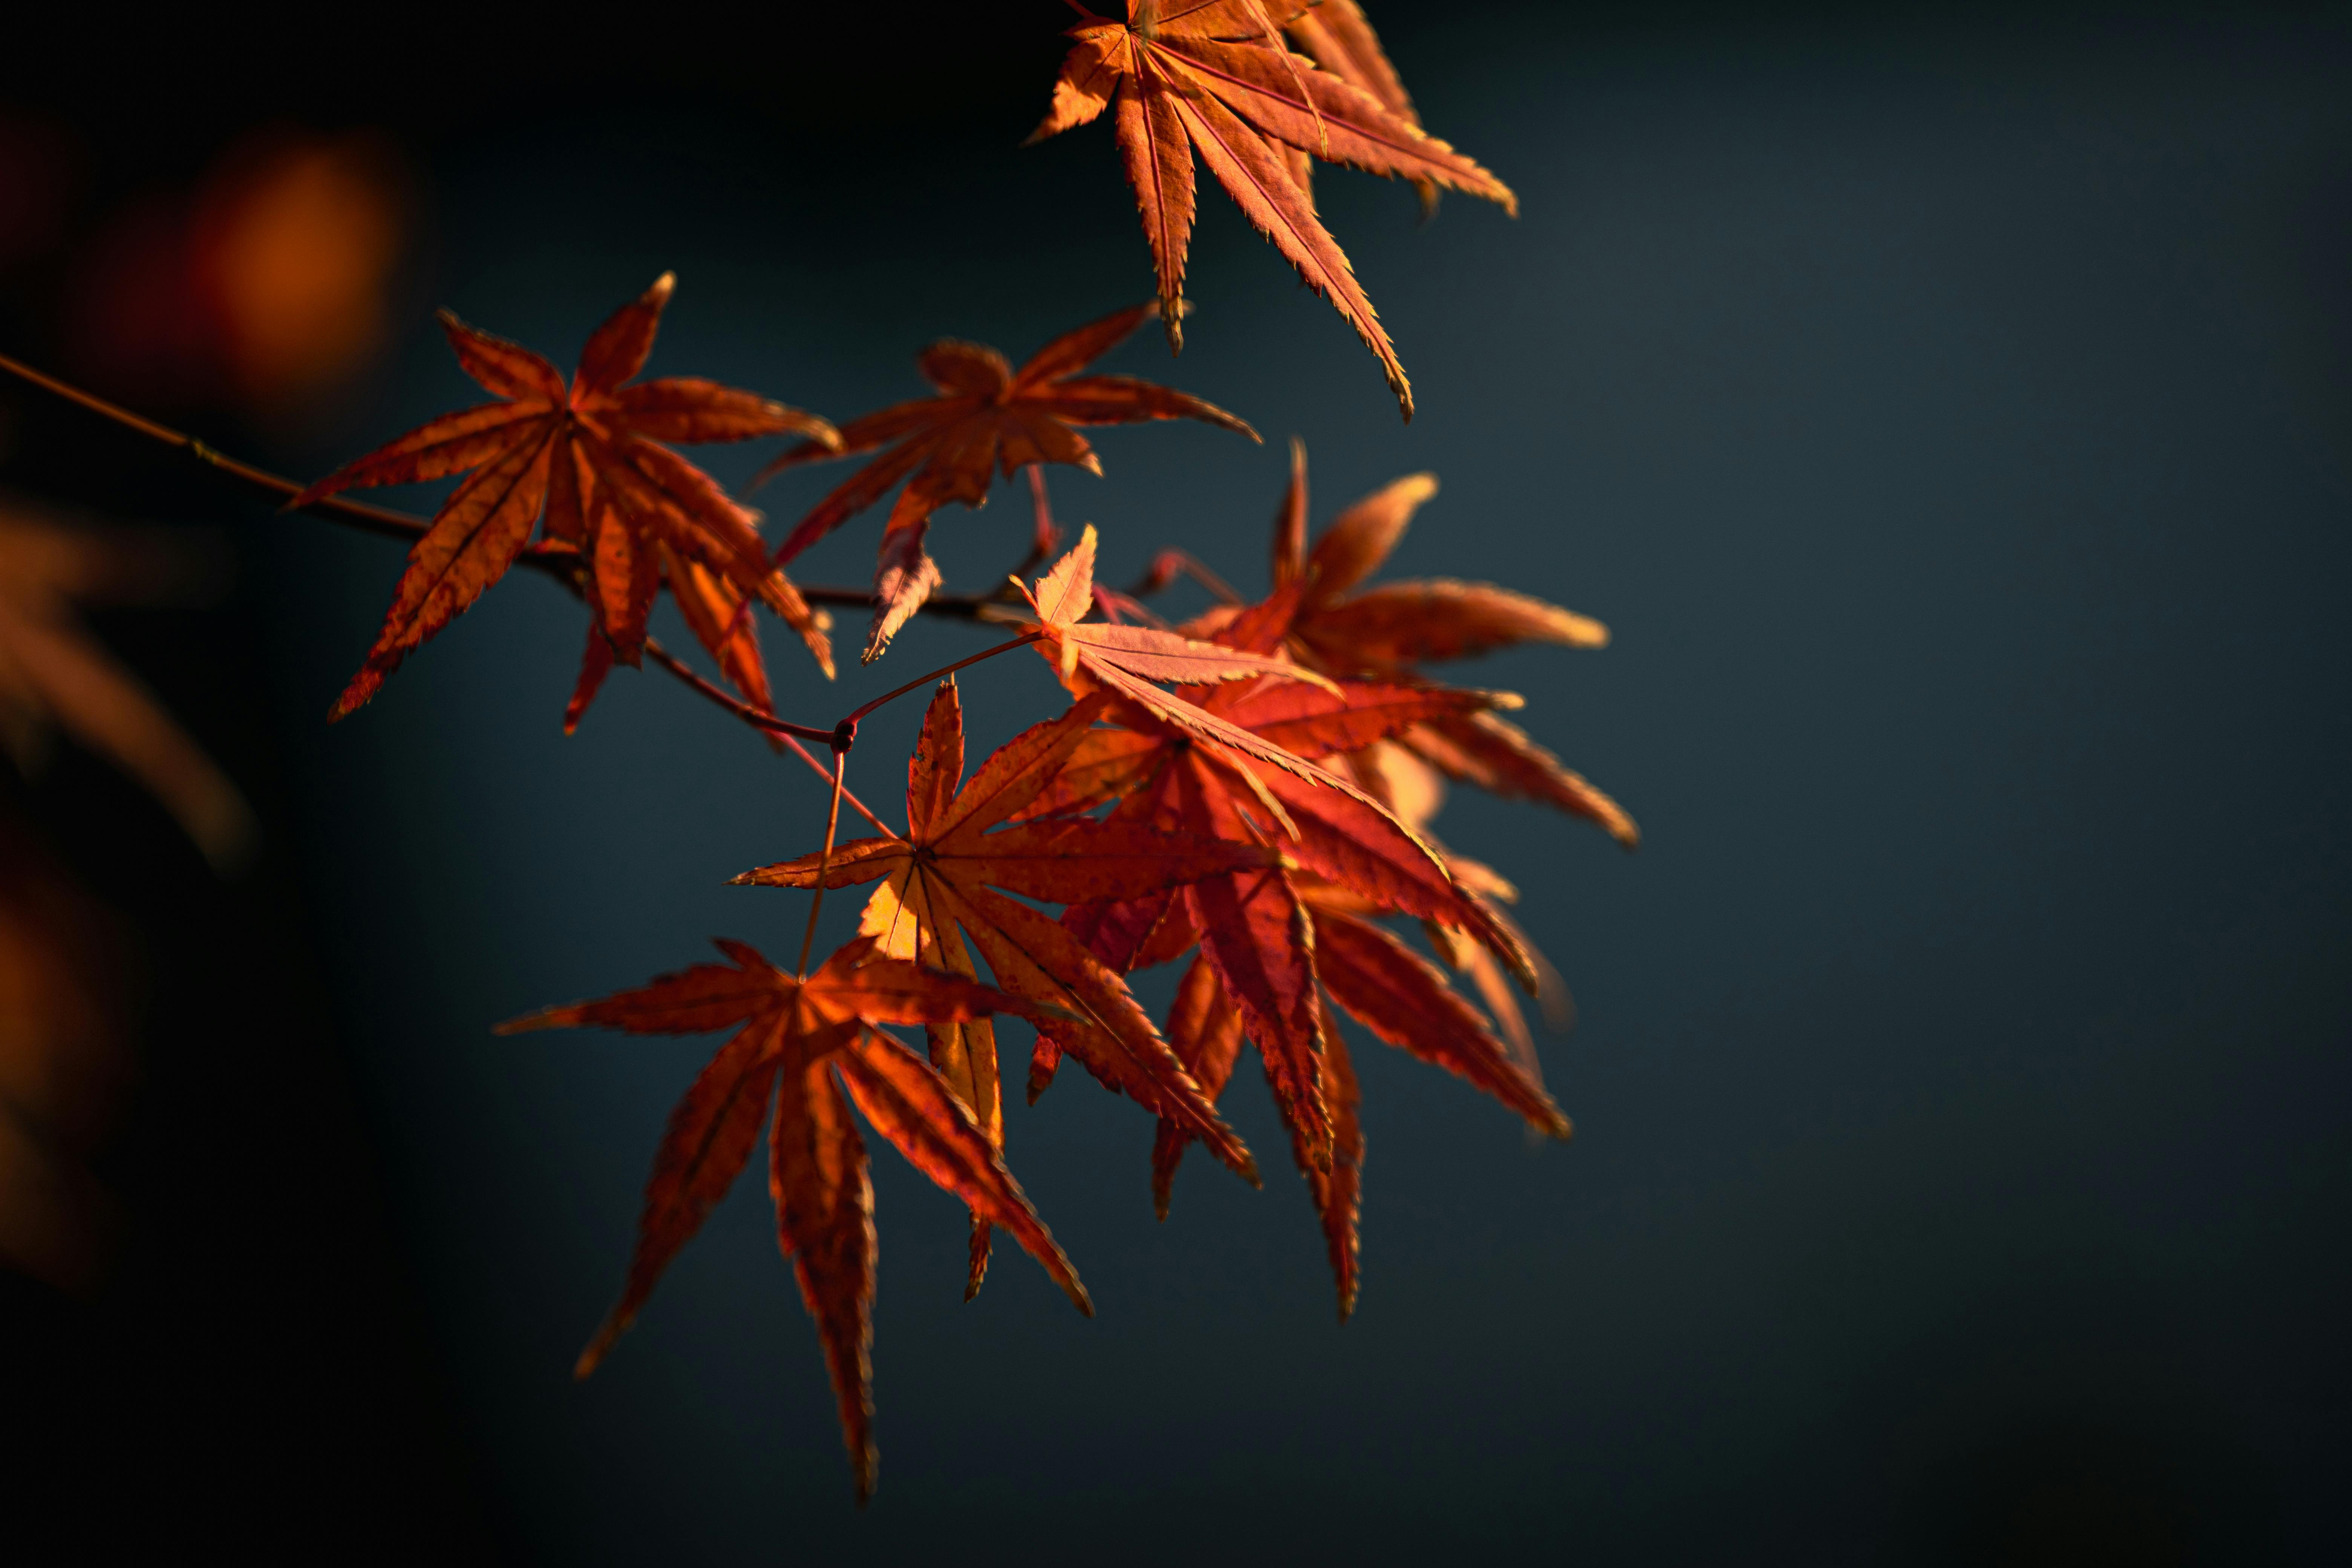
x=1952 y=419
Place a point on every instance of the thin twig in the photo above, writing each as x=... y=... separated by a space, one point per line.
x=1189 y=564
x=849 y=725
x=1115 y=604
x=375 y=520
x=757 y=719
x=743 y=710
x=557 y=559
x=825 y=860
x=1044 y=535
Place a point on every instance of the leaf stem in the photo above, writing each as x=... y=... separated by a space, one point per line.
x=849 y=725
x=1044 y=535
x=743 y=710
x=788 y=735
x=825 y=860
x=1189 y=564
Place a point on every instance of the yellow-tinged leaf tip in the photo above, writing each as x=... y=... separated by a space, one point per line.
x=594 y=1356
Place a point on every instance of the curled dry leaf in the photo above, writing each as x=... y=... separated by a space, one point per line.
x=589 y=464
x=812 y=1048
x=988 y=420
x=1182 y=78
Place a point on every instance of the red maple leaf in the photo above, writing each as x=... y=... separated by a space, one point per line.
x=1328 y=622
x=1277 y=944
x=812 y=1046
x=591 y=458
x=939 y=888
x=1414 y=789
x=1182 y=77
x=1126 y=661
x=1396 y=994
x=989 y=419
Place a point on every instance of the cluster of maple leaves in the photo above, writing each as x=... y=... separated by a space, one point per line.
x=1247 y=794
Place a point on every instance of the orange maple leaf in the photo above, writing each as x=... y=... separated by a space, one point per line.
x=1214 y=735
x=1320 y=617
x=989 y=419
x=1394 y=993
x=1184 y=75
x=939 y=879
x=1255 y=926
x=818 y=1040
x=1127 y=660
x=1336 y=34
x=592 y=458
x=1258 y=927
x=1414 y=789
x=1277 y=944
x=1306 y=942
x=1403 y=999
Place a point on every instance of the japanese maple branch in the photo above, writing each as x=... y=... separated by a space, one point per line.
x=375 y=520
x=558 y=560
x=546 y=557
x=1171 y=563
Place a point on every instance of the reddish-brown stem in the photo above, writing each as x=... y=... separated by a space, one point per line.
x=358 y=514
x=1186 y=562
x=559 y=561
x=743 y=710
x=1043 y=536
x=754 y=717
x=1110 y=599
x=1041 y=509
x=849 y=725
x=825 y=860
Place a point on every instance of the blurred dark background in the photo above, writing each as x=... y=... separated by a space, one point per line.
x=1951 y=414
